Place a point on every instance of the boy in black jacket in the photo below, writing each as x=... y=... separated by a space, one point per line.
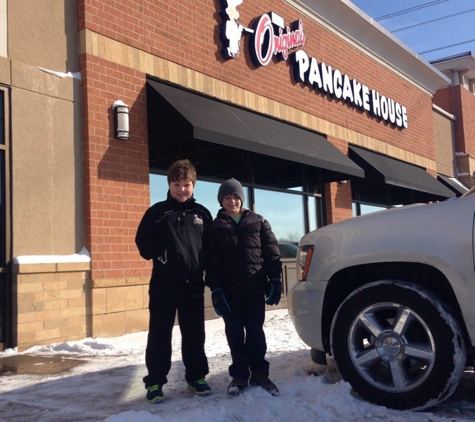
x=171 y=234
x=244 y=267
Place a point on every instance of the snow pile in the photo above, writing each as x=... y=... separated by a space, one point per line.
x=108 y=386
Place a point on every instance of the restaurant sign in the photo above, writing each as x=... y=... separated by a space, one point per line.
x=270 y=38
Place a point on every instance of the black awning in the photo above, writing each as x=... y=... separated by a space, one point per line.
x=181 y=116
x=397 y=173
x=453 y=184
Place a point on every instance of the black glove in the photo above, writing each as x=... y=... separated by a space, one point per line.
x=275 y=291
x=220 y=303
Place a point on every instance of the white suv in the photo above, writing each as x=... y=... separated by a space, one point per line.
x=391 y=296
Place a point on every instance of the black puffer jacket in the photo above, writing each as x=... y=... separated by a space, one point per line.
x=243 y=257
x=171 y=233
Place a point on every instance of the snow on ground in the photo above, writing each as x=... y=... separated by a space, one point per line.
x=108 y=386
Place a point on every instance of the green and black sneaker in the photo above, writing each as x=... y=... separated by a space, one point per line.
x=200 y=387
x=155 y=394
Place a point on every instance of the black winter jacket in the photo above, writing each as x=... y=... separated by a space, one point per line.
x=171 y=233
x=242 y=257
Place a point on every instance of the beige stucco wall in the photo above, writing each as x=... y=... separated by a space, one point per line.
x=43 y=33
x=46 y=149
x=444 y=142
x=46 y=163
x=4 y=71
x=3 y=28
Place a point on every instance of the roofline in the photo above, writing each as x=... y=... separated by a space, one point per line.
x=347 y=21
x=454 y=57
x=460 y=67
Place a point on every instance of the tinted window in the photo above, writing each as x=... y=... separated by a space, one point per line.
x=285 y=210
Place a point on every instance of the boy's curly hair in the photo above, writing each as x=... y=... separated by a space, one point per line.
x=182 y=169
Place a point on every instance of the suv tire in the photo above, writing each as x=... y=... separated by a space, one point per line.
x=397 y=346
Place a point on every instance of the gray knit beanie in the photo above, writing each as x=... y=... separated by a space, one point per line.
x=228 y=187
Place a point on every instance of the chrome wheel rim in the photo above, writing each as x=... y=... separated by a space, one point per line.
x=391 y=347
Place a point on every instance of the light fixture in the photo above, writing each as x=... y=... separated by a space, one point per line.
x=121 y=120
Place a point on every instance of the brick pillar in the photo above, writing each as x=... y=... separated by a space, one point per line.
x=338 y=201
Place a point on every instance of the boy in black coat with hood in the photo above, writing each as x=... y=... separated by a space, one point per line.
x=171 y=234
x=243 y=269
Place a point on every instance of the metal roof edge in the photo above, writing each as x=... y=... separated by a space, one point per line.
x=349 y=22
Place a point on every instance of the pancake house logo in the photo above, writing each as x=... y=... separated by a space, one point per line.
x=269 y=38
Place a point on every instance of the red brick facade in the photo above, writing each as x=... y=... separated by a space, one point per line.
x=461 y=103
x=116 y=172
x=187 y=33
x=73 y=64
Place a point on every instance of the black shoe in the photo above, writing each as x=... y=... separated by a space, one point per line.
x=258 y=379
x=237 y=386
x=200 y=387
x=155 y=394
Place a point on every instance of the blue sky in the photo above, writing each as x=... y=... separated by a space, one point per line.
x=449 y=22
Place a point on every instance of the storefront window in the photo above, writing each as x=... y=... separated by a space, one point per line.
x=314 y=212
x=3 y=224
x=2 y=119
x=361 y=209
x=285 y=210
x=205 y=192
x=3 y=277
x=2 y=210
x=3 y=185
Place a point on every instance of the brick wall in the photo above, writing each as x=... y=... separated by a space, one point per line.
x=339 y=205
x=118 y=169
x=179 y=42
x=119 y=306
x=460 y=102
x=52 y=303
x=170 y=31
x=465 y=123
x=442 y=99
x=116 y=172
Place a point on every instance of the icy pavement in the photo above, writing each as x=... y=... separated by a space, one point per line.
x=106 y=385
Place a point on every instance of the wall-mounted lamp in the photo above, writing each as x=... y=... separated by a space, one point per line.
x=121 y=120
